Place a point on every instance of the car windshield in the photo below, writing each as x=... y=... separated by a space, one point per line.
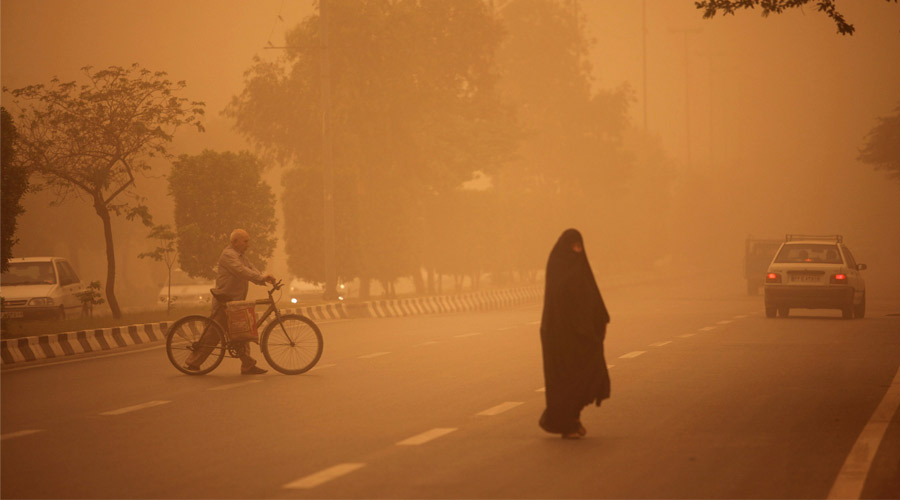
x=809 y=252
x=29 y=273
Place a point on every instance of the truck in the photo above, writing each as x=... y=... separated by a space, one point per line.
x=758 y=253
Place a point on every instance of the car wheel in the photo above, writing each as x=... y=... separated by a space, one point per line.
x=859 y=310
x=847 y=311
x=770 y=311
x=784 y=311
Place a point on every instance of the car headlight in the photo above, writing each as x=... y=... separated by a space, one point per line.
x=41 y=301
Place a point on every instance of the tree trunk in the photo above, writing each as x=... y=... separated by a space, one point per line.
x=419 y=282
x=365 y=287
x=103 y=212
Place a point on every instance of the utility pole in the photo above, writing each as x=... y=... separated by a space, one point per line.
x=644 y=57
x=330 y=292
x=327 y=156
x=687 y=87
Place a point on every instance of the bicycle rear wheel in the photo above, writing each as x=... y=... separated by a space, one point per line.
x=195 y=339
x=292 y=344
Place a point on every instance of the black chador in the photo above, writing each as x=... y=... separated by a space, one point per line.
x=573 y=328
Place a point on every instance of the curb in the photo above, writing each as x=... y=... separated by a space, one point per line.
x=59 y=345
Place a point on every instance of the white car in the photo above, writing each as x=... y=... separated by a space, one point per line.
x=40 y=288
x=186 y=292
x=815 y=272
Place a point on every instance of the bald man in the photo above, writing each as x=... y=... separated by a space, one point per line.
x=233 y=276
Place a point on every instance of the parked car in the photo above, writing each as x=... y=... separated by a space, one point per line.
x=815 y=272
x=40 y=288
x=186 y=292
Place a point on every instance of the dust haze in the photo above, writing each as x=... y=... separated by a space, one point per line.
x=740 y=125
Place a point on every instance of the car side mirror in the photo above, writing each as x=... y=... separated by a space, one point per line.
x=861 y=267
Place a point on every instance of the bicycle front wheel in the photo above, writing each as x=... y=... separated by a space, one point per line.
x=195 y=341
x=292 y=344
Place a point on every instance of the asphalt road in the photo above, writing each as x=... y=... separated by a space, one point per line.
x=709 y=400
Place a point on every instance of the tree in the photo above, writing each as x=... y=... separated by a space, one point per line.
x=572 y=156
x=214 y=194
x=883 y=147
x=14 y=184
x=414 y=109
x=92 y=140
x=712 y=7
x=165 y=253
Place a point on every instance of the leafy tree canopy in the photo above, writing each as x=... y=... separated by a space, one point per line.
x=92 y=139
x=214 y=194
x=882 y=148
x=14 y=184
x=829 y=7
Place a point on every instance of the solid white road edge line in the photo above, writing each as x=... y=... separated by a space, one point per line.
x=500 y=408
x=323 y=476
x=128 y=409
x=426 y=436
x=319 y=367
x=16 y=434
x=852 y=477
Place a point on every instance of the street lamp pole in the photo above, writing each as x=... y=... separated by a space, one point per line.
x=687 y=87
x=327 y=156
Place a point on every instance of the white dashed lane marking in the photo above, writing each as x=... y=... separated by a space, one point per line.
x=426 y=436
x=723 y=322
x=502 y=328
x=320 y=367
x=467 y=335
x=707 y=328
x=373 y=355
x=11 y=435
x=323 y=476
x=236 y=384
x=430 y=342
x=542 y=389
x=632 y=354
x=500 y=408
x=686 y=335
x=129 y=409
x=660 y=344
x=740 y=316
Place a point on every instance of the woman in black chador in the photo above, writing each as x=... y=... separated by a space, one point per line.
x=573 y=327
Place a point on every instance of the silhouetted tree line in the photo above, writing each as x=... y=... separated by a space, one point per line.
x=424 y=94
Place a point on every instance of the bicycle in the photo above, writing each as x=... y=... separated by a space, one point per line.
x=291 y=343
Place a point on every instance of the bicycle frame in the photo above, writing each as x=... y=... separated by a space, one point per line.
x=271 y=309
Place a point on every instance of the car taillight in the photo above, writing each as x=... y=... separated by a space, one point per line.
x=838 y=279
x=773 y=278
